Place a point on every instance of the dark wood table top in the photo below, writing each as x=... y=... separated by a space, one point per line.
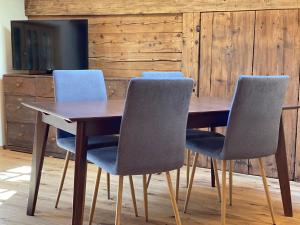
x=79 y=111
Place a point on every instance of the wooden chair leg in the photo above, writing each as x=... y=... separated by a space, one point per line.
x=231 y=164
x=263 y=174
x=94 y=201
x=215 y=165
x=108 y=185
x=177 y=184
x=133 y=195
x=119 y=201
x=188 y=158
x=224 y=197
x=187 y=199
x=62 y=180
x=149 y=179
x=145 y=196
x=173 y=200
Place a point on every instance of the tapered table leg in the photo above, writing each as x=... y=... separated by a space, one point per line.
x=283 y=173
x=212 y=171
x=40 y=140
x=212 y=174
x=80 y=174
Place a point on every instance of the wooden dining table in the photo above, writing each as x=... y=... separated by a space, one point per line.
x=85 y=119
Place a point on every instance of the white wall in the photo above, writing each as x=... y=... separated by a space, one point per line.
x=9 y=10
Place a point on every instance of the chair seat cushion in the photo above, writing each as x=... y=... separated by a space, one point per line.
x=193 y=133
x=210 y=146
x=104 y=158
x=68 y=143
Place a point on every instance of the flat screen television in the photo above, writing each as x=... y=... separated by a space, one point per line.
x=40 y=46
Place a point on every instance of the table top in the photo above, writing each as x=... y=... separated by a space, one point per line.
x=79 y=111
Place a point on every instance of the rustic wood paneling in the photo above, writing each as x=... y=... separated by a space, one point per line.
x=136 y=24
x=137 y=56
x=100 y=43
x=125 y=46
x=276 y=52
x=108 y=7
x=206 y=39
x=116 y=88
x=190 y=52
x=226 y=52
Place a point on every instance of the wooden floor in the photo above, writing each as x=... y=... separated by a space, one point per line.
x=249 y=203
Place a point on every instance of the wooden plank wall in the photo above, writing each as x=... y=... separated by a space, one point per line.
x=214 y=47
x=124 y=46
x=253 y=43
x=109 y=7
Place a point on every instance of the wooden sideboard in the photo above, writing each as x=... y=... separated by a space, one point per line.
x=19 y=121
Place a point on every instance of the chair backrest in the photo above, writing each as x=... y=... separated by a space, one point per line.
x=162 y=74
x=254 y=119
x=78 y=85
x=153 y=128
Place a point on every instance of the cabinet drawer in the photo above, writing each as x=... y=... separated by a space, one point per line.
x=16 y=112
x=19 y=85
x=20 y=134
x=116 y=88
x=44 y=87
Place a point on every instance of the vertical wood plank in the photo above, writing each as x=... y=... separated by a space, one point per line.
x=297 y=157
x=190 y=56
x=204 y=84
x=276 y=53
x=205 y=59
x=190 y=51
x=226 y=52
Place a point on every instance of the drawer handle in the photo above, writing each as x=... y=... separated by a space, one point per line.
x=20 y=135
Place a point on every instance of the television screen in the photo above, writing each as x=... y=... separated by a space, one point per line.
x=45 y=45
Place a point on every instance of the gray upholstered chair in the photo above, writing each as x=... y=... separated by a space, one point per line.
x=252 y=129
x=190 y=133
x=152 y=135
x=80 y=85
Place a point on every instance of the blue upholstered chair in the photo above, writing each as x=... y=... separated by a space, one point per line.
x=79 y=85
x=252 y=129
x=190 y=133
x=162 y=74
x=152 y=135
